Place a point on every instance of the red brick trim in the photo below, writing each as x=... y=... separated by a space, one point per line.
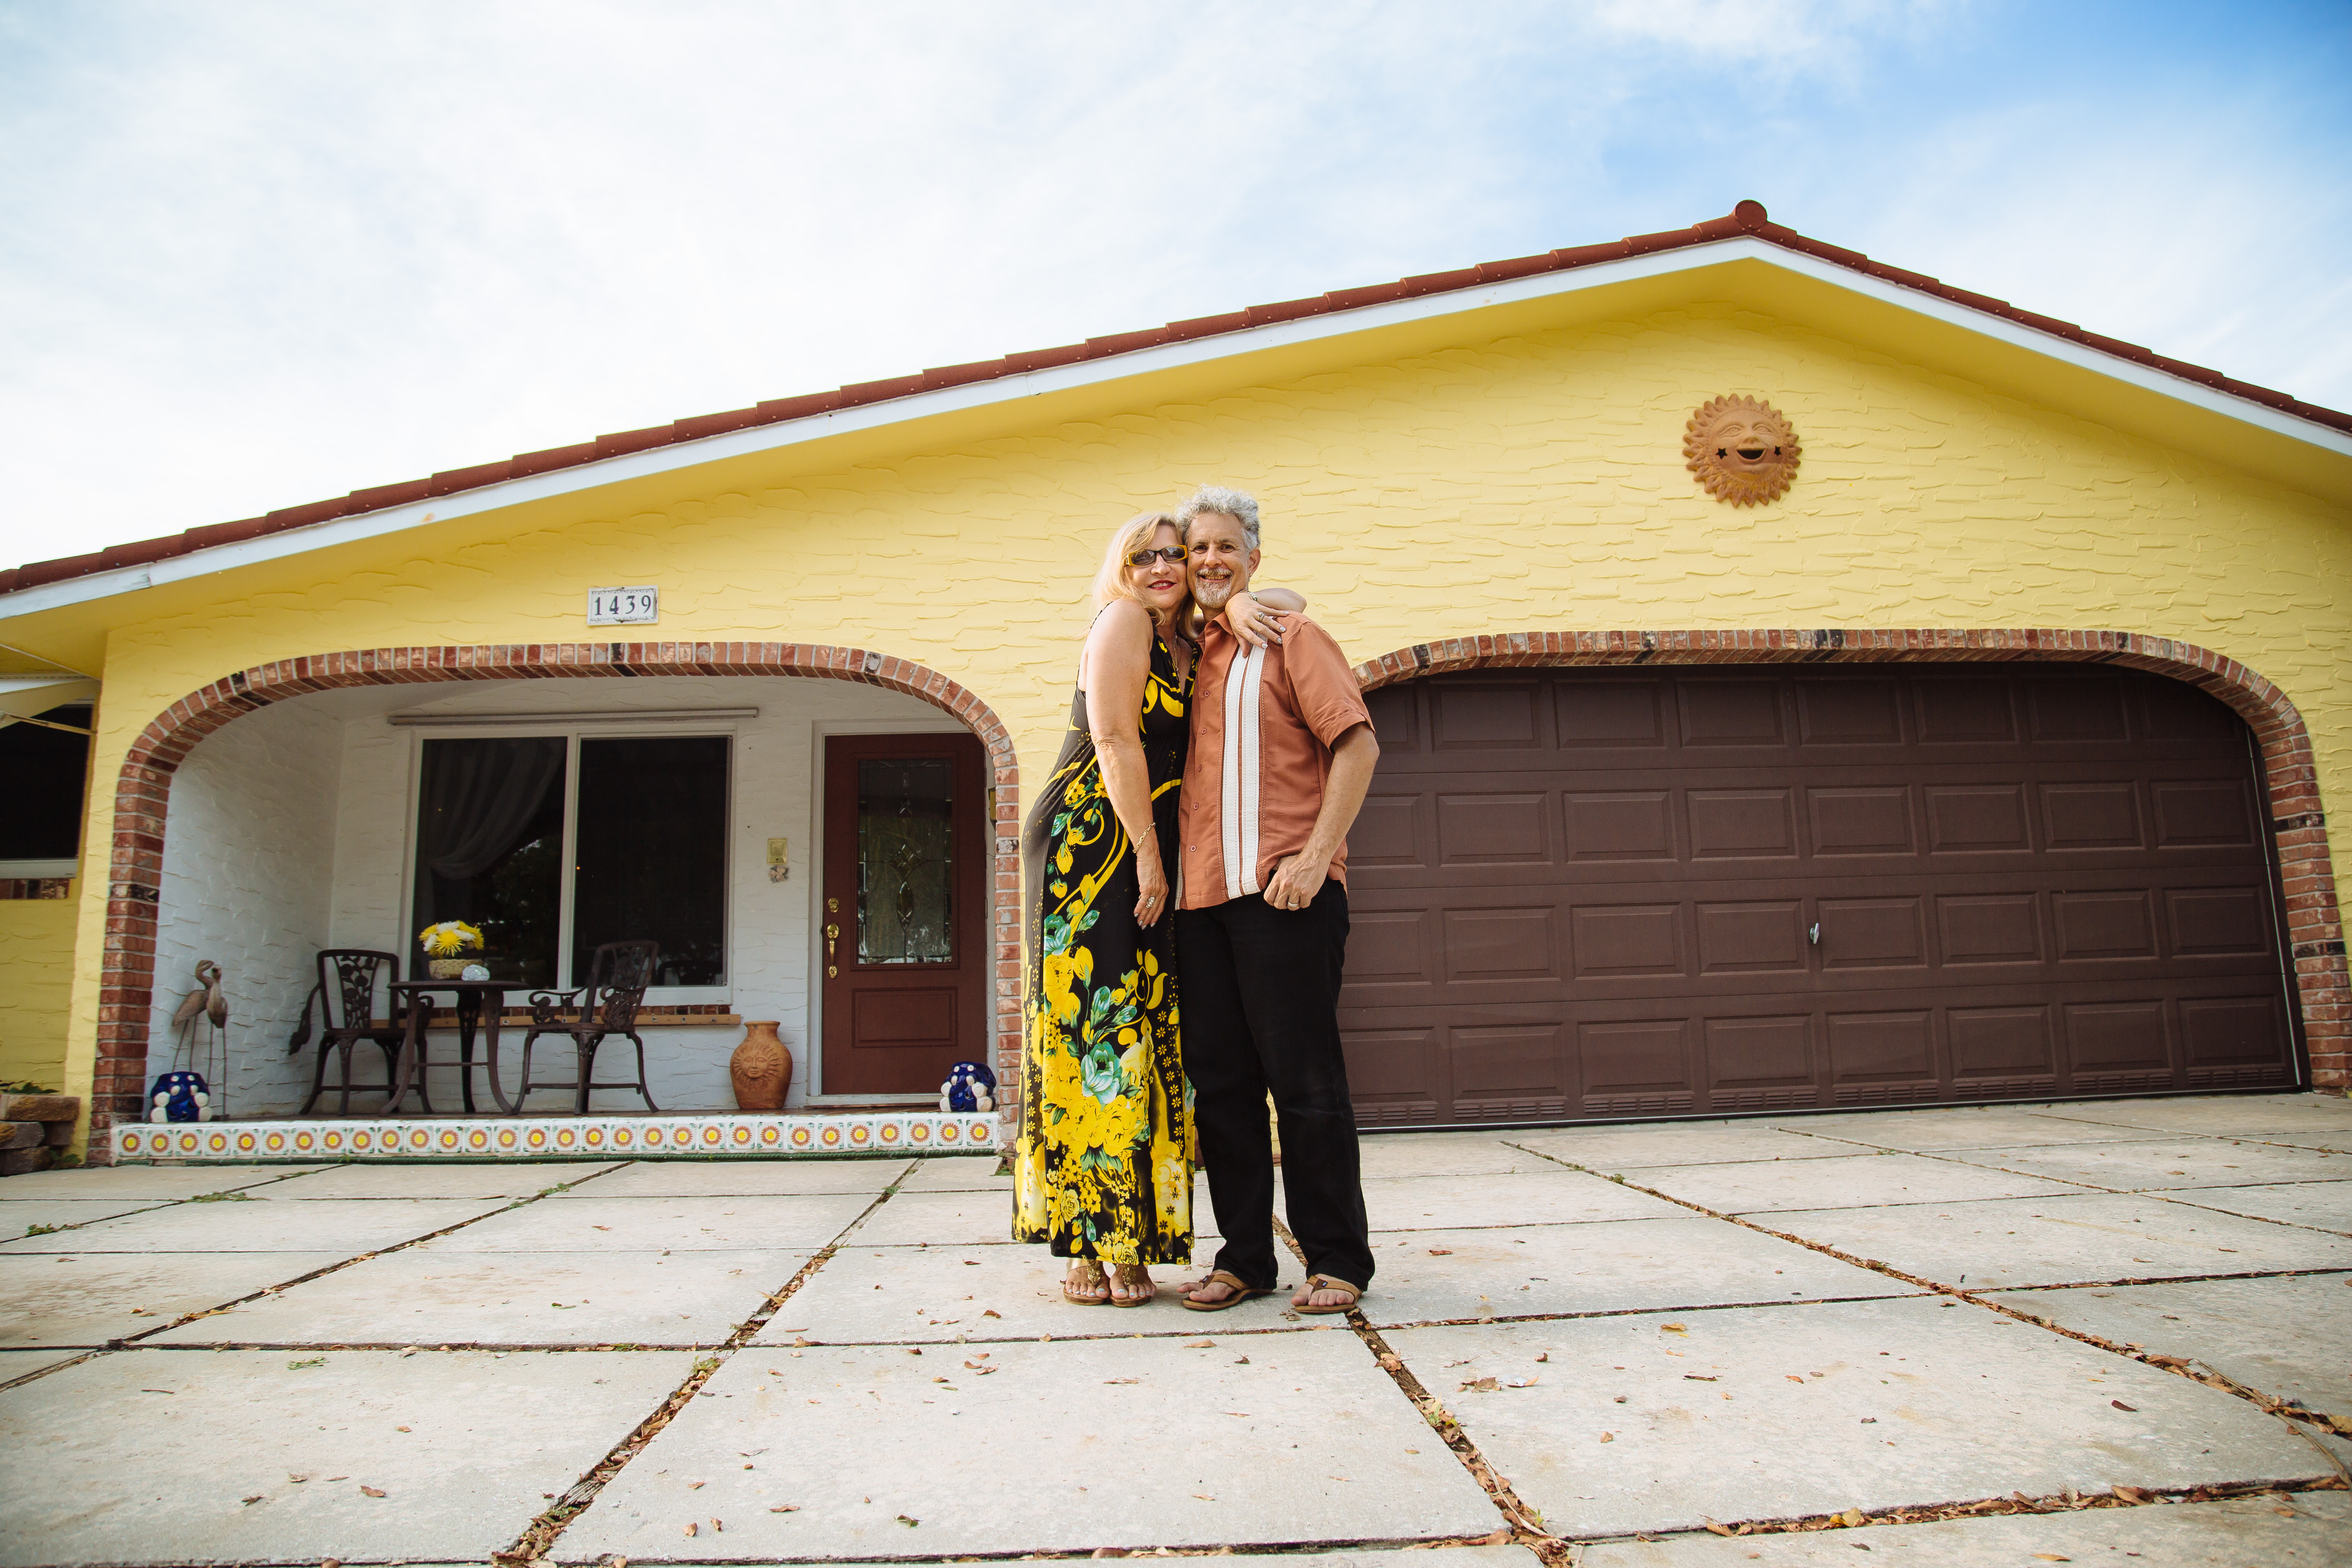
x=2307 y=877
x=142 y=789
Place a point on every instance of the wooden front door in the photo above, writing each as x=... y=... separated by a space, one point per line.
x=903 y=938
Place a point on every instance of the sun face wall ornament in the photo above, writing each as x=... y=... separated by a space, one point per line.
x=1742 y=450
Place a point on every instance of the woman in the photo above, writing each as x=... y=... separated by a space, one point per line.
x=1103 y=1168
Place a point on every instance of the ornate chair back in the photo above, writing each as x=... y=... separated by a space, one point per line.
x=349 y=979
x=619 y=974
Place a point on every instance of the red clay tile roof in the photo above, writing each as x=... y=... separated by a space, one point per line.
x=1748 y=220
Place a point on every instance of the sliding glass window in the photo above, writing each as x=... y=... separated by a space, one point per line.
x=645 y=823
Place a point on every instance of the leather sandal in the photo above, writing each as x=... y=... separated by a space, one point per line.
x=1241 y=1291
x=1093 y=1269
x=1326 y=1282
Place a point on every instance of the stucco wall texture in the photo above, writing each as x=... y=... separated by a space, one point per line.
x=1529 y=483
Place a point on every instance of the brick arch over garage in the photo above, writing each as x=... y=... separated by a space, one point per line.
x=2298 y=827
x=142 y=790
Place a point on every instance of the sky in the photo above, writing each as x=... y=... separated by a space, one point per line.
x=257 y=253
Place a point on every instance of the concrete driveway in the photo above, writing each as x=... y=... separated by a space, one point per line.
x=2075 y=1333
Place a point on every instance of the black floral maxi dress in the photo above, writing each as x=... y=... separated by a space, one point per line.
x=1103 y=1167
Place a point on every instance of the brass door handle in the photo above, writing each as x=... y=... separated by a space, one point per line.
x=831 y=941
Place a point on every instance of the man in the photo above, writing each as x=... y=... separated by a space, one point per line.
x=1282 y=751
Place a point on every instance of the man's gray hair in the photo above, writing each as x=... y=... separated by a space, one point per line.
x=1241 y=508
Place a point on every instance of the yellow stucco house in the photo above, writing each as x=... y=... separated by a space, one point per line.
x=1989 y=756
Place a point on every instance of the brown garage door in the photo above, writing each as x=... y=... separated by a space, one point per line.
x=1662 y=891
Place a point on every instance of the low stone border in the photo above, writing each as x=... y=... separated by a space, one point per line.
x=413 y=1140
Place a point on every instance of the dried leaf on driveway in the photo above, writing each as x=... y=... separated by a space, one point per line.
x=2121 y=1405
x=1672 y=1328
x=372 y=1491
x=1714 y=1529
x=1481 y=1385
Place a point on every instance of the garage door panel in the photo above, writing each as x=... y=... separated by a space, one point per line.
x=1616 y=942
x=1844 y=713
x=1741 y=824
x=1850 y=820
x=1620 y=824
x=1989 y=928
x=1495 y=828
x=1976 y=819
x=1970 y=710
x=1598 y=897
x=2087 y=815
x=1718 y=713
x=1763 y=936
x=1396 y=719
x=1395 y=1076
x=1600 y=715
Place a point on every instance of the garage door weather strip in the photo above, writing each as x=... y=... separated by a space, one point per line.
x=1241 y=772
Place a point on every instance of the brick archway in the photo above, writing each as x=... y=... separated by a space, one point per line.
x=142 y=790
x=2298 y=826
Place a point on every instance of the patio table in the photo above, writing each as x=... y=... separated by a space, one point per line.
x=479 y=1002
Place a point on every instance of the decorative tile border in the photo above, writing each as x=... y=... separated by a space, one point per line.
x=561 y=1138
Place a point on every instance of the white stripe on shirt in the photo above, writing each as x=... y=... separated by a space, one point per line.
x=1243 y=681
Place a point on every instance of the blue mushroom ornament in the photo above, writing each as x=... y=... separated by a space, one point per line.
x=970 y=1086
x=179 y=1097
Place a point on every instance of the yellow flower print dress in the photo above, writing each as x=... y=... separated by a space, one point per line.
x=1103 y=1167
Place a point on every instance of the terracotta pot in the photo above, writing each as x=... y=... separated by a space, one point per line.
x=761 y=1066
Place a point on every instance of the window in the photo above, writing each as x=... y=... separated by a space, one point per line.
x=644 y=818
x=42 y=772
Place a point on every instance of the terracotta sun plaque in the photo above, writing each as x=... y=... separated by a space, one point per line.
x=1741 y=450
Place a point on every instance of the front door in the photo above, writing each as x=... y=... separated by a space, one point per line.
x=903 y=947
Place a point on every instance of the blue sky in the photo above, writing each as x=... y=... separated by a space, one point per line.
x=252 y=253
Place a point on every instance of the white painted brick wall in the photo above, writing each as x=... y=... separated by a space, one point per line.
x=248 y=879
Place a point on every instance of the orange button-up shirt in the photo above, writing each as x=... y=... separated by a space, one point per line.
x=1262 y=724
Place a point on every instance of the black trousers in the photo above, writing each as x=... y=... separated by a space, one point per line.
x=1259 y=997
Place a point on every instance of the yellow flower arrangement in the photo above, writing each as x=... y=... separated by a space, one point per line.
x=449 y=939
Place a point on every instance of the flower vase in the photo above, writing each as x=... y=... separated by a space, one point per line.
x=761 y=1067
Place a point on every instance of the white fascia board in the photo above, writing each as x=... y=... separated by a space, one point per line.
x=672 y=456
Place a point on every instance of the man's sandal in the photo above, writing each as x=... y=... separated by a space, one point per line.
x=1241 y=1291
x=1086 y=1271
x=1326 y=1282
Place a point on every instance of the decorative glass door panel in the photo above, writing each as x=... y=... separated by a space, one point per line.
x=901 y=948
x=906 y=860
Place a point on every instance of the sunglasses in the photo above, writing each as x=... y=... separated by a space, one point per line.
x=1170 y=553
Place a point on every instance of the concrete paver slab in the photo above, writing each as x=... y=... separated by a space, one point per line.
x=1688 y=1260
x=957 y=1173
x=1959 y=1404
x=105 y=1468
x=1611 y=1149
x=420 y=1297
x=2167 y=1163
x=353 y=1225
x=15 y=1364
x=2224 y=1115
x=2291 y=1337
x=19 y=1218
x=928 y=1295
x=741 y=1178
x=1558 y=1196
x=2310 y=1531
x=2323 y=1206
x=145 y=1181
x=652 y=1225
x=1065 y=1421
x=2064 y=1240
x=511 y=1180
x=1854 y=1180
x=1446 y=1154
x=942 y=1219
x=1959 y=1127
x=88 y=1298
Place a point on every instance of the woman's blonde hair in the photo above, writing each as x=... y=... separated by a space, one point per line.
x=1128 y=537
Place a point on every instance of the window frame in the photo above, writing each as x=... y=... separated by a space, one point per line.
x=654 y=727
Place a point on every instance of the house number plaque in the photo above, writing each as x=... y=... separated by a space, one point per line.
x=624 y=607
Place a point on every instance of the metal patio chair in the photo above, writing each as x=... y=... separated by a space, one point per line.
x=345 y=995
x=618 y=973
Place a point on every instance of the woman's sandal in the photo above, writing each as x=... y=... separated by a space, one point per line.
x=1084 y=1273
x=1326 y=1282
x=1241 y=1291
x=1128 y=1277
